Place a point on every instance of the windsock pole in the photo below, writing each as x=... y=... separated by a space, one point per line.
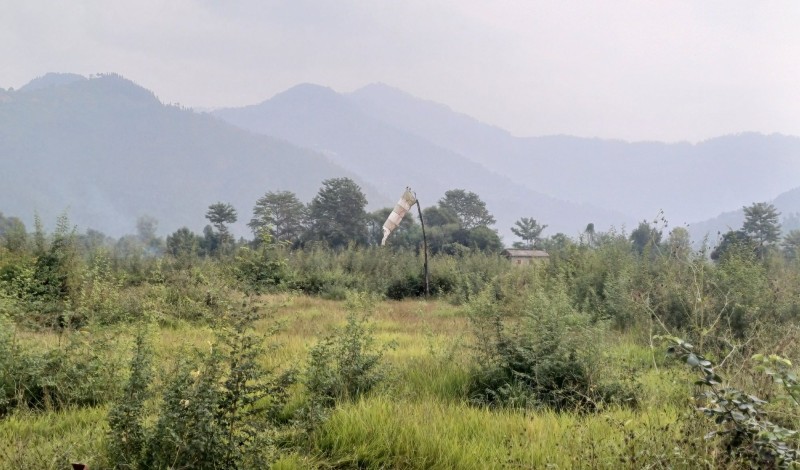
x=424 y=248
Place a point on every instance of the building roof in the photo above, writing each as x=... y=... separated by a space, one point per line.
x=513 y=252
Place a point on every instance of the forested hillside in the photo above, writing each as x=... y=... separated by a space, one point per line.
x=109 y=151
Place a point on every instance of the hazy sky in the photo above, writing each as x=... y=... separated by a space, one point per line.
x=670 y=70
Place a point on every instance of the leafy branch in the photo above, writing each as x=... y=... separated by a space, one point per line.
x=740 y=417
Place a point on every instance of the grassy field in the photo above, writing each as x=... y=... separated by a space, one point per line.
x=419 y=418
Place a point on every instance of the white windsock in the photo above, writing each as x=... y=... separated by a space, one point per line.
x=403 y=205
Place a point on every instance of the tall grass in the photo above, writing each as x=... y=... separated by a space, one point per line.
x=383 y=432
x=53 y=440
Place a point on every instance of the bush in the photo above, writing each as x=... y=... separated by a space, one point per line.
x=216 y=411
x=544 y=357
x=261 y=270
x=99 y=299
x=346 y=364
x=83 y=371
x=749 y=433
x=127 y=438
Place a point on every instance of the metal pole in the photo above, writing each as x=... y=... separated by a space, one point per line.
x=424 y=248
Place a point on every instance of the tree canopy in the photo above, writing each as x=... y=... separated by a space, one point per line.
x=281 y=215
x=337 y=215
x=468 y=207
x=220 y=214
x=529 y=230
x=732 y=240
x=644 y=235
x=761 y=223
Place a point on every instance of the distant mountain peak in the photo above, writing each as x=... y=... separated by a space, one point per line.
x=308 y=92
x=110 y=86
x=52 y=79
x=107 y=148
x=116 y=84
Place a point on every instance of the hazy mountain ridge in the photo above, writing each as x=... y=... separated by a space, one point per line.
x=109 y=151
x=687 y=181
x=319 y=118
x=52 y=80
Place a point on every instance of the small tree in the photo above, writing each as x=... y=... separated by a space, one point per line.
x=469 y=208
x=761 y=224
x=183 y=245
x=791 y=244
x=679 y=242
x=346 y=364
x=56 y=274
x=645 y=235
x=529 y=230
x=217 y=411
x=127 y=435
x=280 y=214
x=732 y=240
x=590 y=233
x=12 y=233
x=220 y=214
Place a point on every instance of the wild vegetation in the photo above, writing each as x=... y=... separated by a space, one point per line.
x=310 y=346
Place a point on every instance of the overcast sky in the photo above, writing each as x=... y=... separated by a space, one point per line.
x=670 y=70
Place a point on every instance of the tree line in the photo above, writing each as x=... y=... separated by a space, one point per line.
x=337 y=217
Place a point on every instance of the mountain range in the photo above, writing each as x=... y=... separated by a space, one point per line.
x=688 y=182
x=107 y=151
x=110 y=150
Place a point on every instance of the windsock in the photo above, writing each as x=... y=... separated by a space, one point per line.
x=403 y=205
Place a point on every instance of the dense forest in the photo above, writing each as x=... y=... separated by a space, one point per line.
x=310 y=345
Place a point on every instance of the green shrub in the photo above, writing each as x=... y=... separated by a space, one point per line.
x=543 y=356
x=217 y=409
x=409 y=286
x=748 y=432
x=82 y=371
x=127 y=437
x=99 y=301
x=261 y=270
x=189 y=432
x=346 y=364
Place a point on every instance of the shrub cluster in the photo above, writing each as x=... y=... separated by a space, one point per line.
x=217 y=407
x=544 y=356
x=347 y=363
x=82 y=370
